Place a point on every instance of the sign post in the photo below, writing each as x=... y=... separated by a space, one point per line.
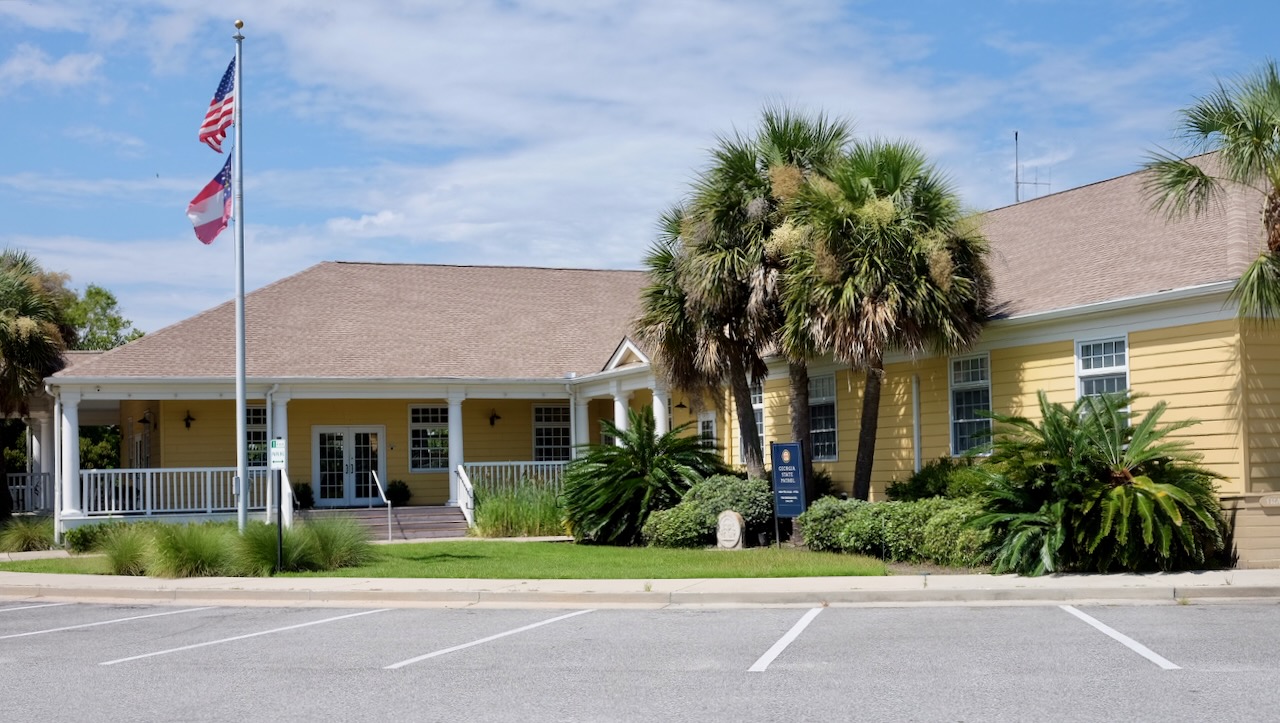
x=788 y=482
x=279 y=452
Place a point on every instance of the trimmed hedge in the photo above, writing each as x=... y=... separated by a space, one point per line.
x=680 y=526
x=943 y=477
x=930 y=530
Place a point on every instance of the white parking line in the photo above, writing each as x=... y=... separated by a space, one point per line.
x=242 y=637
x=763 y=663
x=1125 y=640
x=33 y=607
x=420 y=658
x=104 y=622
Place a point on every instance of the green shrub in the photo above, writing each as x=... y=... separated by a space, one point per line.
x=751 y=498
x=823 y=484
x=27 y=533
x=398 y=493
x=195 y=550
x=610 y=491
x=127 y=548
x=684 y=525
x=255 y=550
x=943 y=477
x=303 y=495
x=88 y=538
x=904 y=527
x=862 y=531
x=528 y=510
x=338 y=542
x=949 y=540
x=822 y=522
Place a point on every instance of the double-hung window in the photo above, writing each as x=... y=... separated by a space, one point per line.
x=552 y=439
x=255 y=432
x=428 y=438
x=970 y=402
x=822 y=417
x=1102 y=366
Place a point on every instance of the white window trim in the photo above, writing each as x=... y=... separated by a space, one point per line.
x=1081 y=374
x=533 y=432
x=764 y=446
x=951 y=398
x=715 y=433
x=257 y=428
x=426 y=425
x=835 y=417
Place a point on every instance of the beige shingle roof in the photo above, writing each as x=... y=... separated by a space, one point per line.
x=1102 y=242
x=358 y=320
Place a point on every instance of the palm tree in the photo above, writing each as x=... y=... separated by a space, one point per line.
x=1240 y=121
x=31 y=343
x=717 y=253
x=887 y=263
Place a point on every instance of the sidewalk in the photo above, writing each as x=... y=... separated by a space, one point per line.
x=1169 y=588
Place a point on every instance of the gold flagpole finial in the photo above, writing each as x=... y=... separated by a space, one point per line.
x=239 y=25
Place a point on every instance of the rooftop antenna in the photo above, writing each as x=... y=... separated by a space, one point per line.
x=1018 y=183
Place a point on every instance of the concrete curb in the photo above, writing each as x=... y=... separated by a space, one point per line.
x=655 y=599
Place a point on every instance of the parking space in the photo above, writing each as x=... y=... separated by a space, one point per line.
x=286 y=663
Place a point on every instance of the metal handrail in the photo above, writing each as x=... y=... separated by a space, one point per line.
x=468 y=496
x=383 y=495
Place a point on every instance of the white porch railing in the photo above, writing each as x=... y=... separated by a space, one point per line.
x=173 y=490
x=497 y=476
x=31 y=491
x=466 y=496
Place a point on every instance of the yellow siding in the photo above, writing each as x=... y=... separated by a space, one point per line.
x=1196 y=370
x=1018 y=374
x=1261 y=389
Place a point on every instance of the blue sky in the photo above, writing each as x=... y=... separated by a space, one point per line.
x=547 y=133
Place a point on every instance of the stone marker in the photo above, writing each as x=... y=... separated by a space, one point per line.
x=729 y=530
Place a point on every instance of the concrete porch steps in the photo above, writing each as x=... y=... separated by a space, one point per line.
x=407 y=523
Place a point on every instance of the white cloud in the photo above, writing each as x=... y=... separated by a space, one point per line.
x=122 y=143
x=29 y=65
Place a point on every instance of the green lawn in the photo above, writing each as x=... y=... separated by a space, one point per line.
x=557 y=560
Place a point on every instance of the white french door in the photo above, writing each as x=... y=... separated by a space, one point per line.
x=343 y=460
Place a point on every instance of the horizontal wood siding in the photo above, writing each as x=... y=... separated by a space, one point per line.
x=1196 y=370
x=1019 y=374
x=1256 y=531
x=1261 y=385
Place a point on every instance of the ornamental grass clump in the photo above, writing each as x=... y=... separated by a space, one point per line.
x=1090 y=489
x=338 y=542
x=127 y=548
x=527 y=510
x=26 y=533
x=255 y=550
x=195 y=550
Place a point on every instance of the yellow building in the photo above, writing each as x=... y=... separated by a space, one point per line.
x=439 y=375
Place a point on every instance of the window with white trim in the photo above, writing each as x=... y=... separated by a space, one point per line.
x=428 y=438
x=822 y=417
x=757 y=406
x=707 y=429
x=1102 y=366
x=970 y=402
x=255 y=432
x=552 y=439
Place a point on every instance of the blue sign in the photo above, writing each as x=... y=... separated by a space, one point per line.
x=788 y=479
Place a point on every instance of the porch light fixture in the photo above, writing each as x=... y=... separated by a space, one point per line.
x=187 y=420
x=682 y=405
x=493 y=417
x=146 y=419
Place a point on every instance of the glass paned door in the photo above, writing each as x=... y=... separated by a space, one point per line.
x=344 y=461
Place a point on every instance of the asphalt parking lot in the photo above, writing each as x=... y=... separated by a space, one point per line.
x=73 y=661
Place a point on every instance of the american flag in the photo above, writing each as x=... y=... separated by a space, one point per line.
x=221 y=110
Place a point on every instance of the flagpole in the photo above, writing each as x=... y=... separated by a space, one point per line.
x=242 y=449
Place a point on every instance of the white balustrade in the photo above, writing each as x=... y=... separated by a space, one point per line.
x=498 y=476
x=31 y=491
x=172 y=490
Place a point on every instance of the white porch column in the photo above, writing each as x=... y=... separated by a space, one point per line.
x=620 y=409
x=659 y=409
x=279 y=429
x=455 y=443
x=581 y=423
x=42 y=449
x=70 y=453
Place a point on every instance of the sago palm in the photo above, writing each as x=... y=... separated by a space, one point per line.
x=887 y=262
x=1240 y=121
x=610 y=491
